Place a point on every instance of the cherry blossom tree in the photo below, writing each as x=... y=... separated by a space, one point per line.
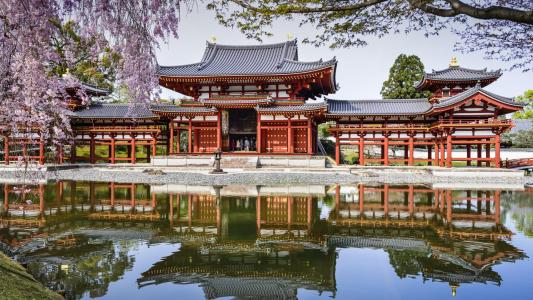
x=33 y=98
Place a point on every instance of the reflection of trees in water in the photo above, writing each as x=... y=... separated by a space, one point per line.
x=83 y=269
x=519 y=206
x=405 y=262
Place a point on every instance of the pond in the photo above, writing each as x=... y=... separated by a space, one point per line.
x=134 y=241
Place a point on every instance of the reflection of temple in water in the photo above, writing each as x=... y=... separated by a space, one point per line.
x=264 y=241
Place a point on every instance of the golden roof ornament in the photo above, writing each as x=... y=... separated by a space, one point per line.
x=454 y=62
x=213 y=39
x=290 y=36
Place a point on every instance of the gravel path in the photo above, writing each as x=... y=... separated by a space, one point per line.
x=128 y=175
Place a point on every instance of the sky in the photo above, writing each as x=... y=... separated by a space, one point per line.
x=360 y=70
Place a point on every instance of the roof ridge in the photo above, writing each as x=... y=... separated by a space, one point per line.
x=464 y=69
x=273 y=45
x=374 y=100
x=320 y=61
x=176 y=66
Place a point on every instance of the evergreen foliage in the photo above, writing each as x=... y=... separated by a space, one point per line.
x=527 y=112
x=406 y=71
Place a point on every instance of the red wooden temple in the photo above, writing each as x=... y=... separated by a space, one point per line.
x=255 y=100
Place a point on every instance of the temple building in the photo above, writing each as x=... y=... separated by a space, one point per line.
x=255 y=101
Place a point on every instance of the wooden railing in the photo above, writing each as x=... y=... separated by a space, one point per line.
x=441 y=123
x=146 y=128
x=471 y=122
x=517 y=163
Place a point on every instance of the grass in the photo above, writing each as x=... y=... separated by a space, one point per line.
x=120 y=151
x=16 y=283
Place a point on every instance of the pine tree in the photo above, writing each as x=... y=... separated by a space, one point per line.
x=406 y=71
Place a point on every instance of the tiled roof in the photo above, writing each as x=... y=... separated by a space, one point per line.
x=470 y=92
x=114 y=111
x=378 y=107
x=270 y=59
x=457 y=73
x=95 y=90
x=292 y=108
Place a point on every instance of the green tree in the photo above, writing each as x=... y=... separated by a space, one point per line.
x=527 y=99
x=88 y=66
x=404 y=73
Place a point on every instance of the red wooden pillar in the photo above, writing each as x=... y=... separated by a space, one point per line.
x=92 y=150
x=386 y=151
x=479 y=147
x=497 y=151
x=449 y=151
x=361 y=151
x=258 y=140
x=112 y=148
x=468 y=155
x=73 y=153
x=309 y=136
x=41 y=198
x=290 y=145
x=219 y=130
x=337 y=149
x=436 y=160
x=6 y=150
x=170 y=149
x=133 y=152
x=60 y=154
x=41 y=152
x=411 y=151
x=154 y=145
x=189 y=146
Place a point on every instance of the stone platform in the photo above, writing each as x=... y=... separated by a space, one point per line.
x=240 y=161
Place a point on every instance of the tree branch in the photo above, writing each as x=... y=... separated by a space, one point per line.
x=458 y=7
x=293 y=9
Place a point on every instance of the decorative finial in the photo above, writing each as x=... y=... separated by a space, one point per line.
x=478 y=84
x=213 y=39
x=290 y=36
x=454 y=63
x=454 y=289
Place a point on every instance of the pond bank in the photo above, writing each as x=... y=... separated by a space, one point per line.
x=16 y=283
x=400 y=175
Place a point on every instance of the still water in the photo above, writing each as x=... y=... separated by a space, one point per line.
x=133 y=241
